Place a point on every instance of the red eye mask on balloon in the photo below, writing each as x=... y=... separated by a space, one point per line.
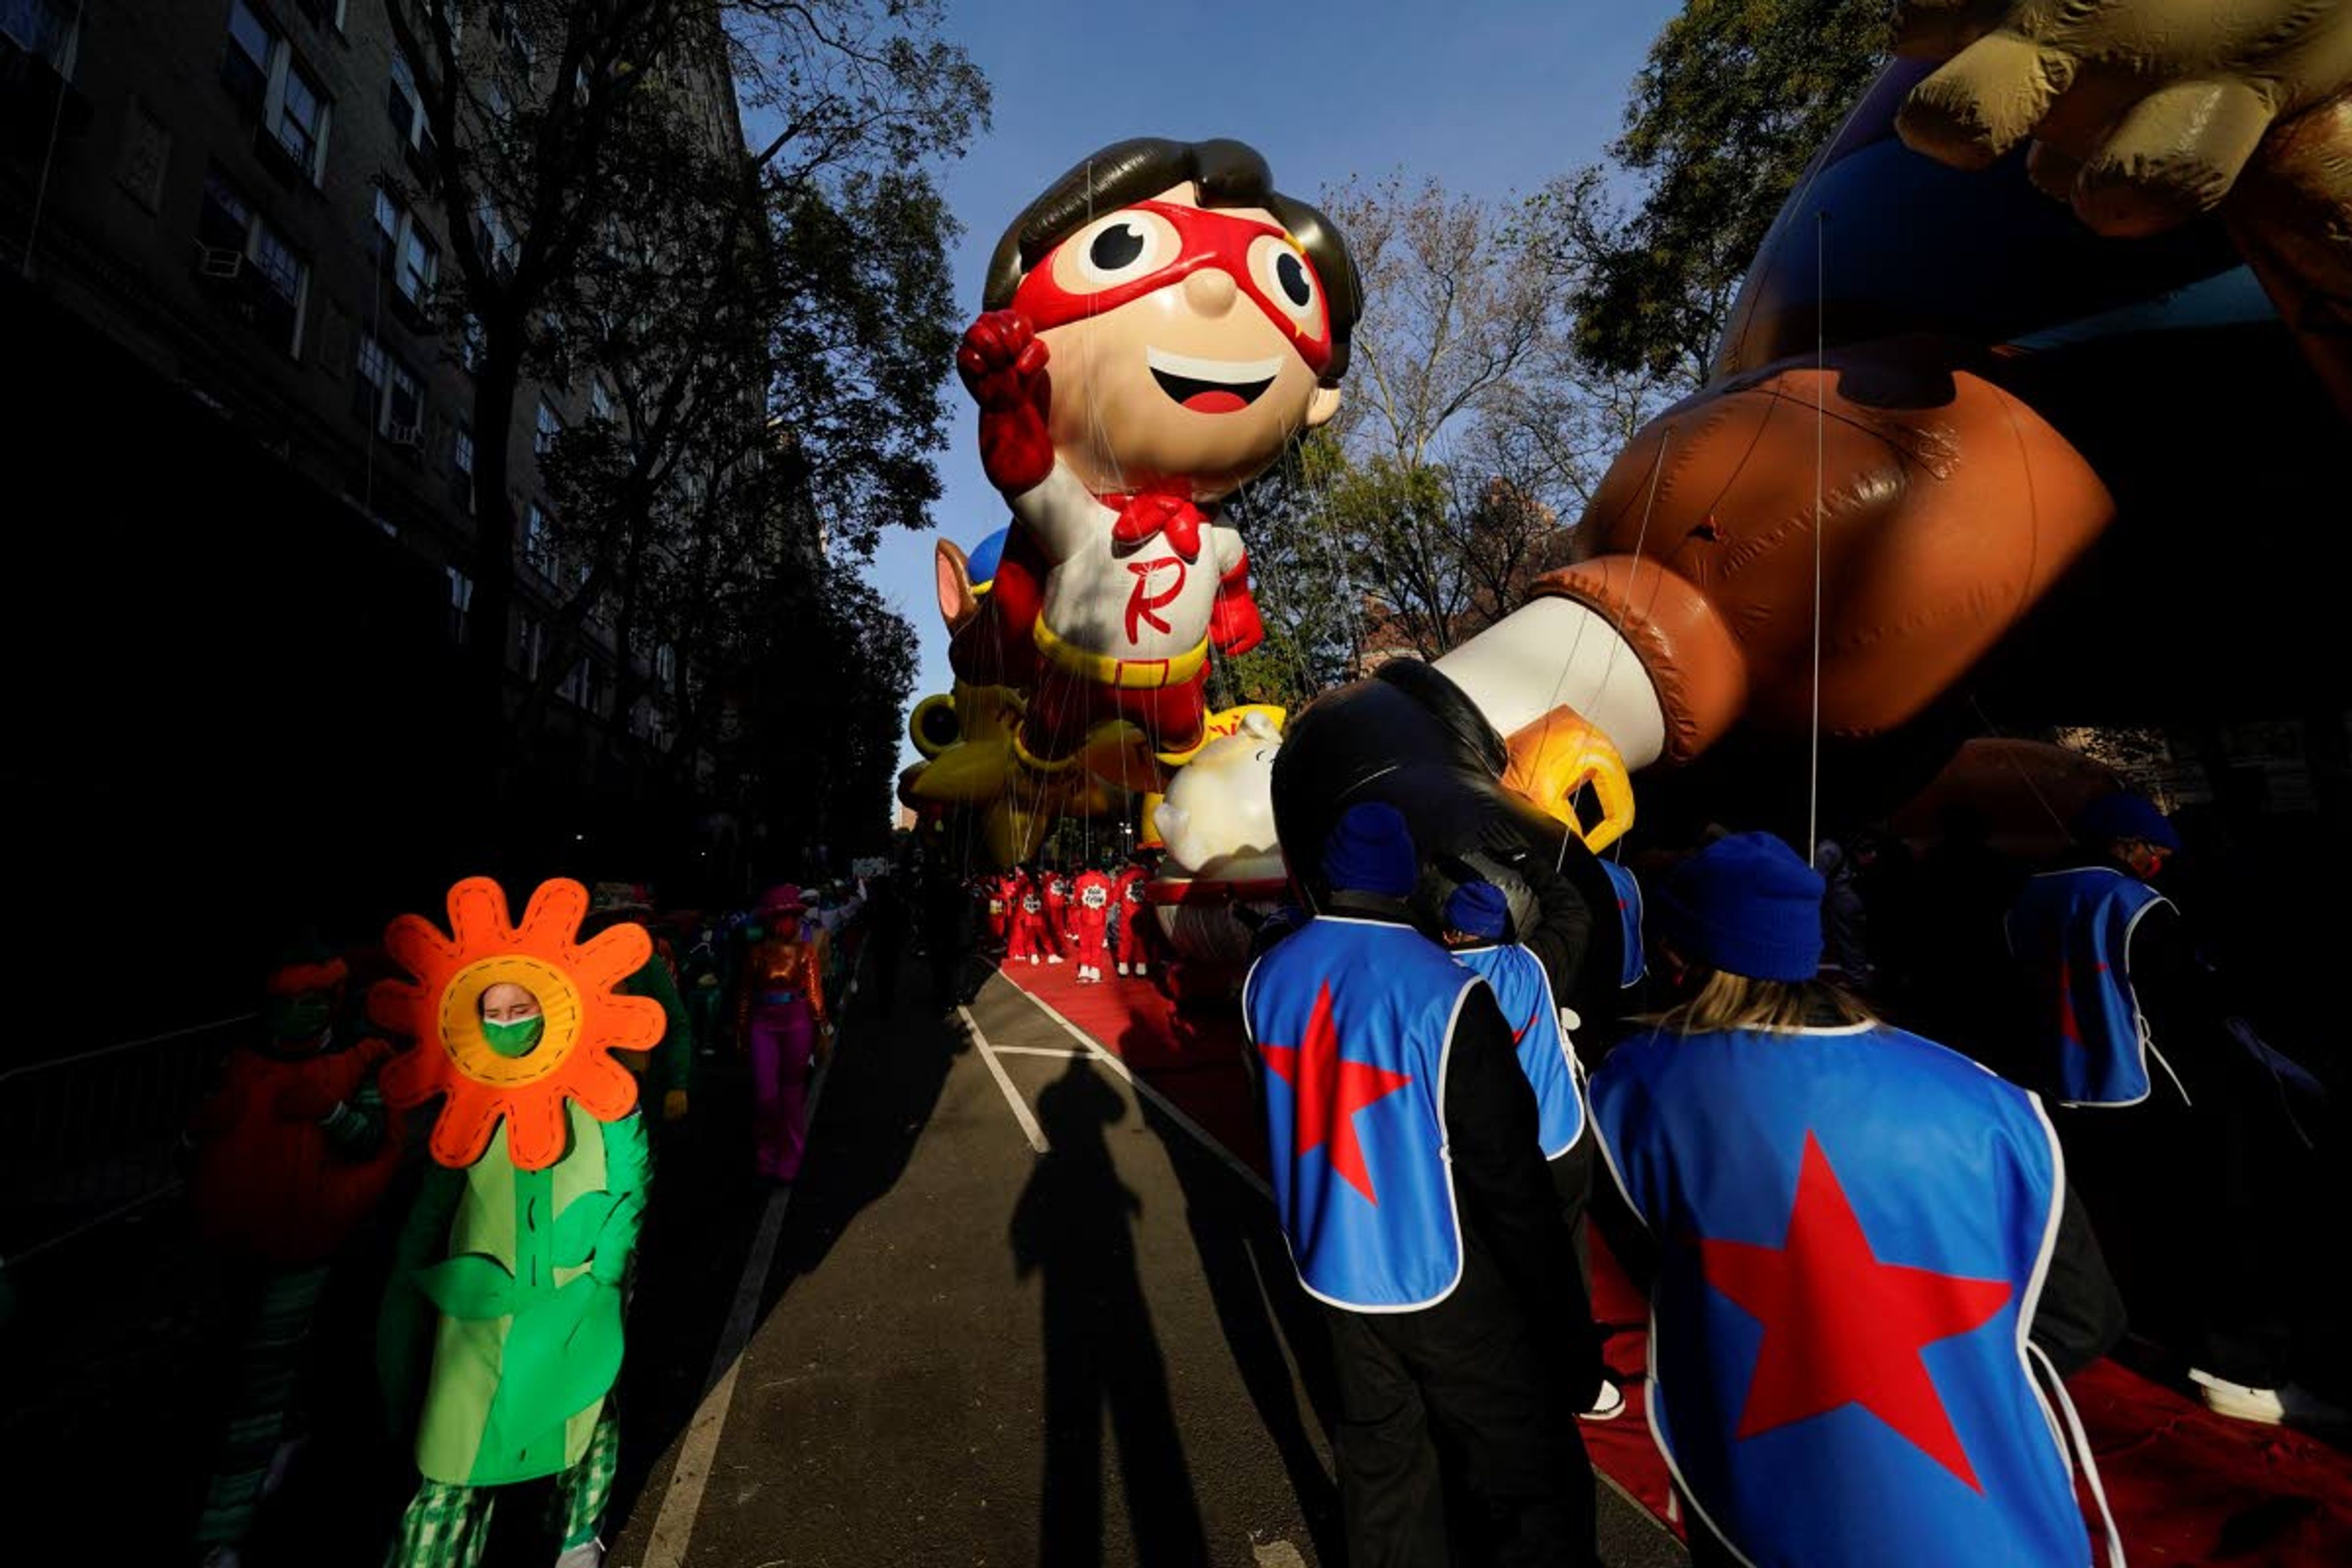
x=1151 y=246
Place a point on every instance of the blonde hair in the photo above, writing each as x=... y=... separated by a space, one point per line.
x=1725 y=1000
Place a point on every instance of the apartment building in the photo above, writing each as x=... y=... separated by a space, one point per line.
x=241 y=192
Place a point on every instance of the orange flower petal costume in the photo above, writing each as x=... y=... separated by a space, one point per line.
x=586 y=1021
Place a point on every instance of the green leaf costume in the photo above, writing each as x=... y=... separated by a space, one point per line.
x=524 y=1273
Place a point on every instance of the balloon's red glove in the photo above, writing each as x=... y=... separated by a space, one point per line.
x=1234 y=622
x=1003 y=367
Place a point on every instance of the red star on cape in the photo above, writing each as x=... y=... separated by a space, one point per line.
x=1841 y=1328
x=1327 y=1089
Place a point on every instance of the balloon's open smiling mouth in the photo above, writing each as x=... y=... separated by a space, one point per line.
x=1212 y=385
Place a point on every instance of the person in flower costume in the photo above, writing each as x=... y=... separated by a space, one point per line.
x=514 y=1260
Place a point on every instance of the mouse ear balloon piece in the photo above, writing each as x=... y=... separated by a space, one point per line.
x=449 y=1053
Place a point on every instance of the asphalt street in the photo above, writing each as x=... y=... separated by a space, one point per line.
x=968 y=1349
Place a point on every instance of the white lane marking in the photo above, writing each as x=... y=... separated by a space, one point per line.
x=1053 y=1051
x=1021 y=1111
x=1233 y=1162
x=681 y=1502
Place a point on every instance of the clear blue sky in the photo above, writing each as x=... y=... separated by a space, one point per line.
x=1488 y=98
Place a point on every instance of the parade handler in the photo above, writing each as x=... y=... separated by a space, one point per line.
x=1028 y=937
x=1090 y=905
x=512 y=1264
x=1055 y=889
x=1867 y=1274
x=1136 y=928
x=1402 y=1139
x=1160 y=324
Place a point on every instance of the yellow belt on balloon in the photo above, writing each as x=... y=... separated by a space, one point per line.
x=1127 y=674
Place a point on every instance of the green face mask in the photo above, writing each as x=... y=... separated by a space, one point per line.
x=302 y=1017
x=755 y=933
x=513 y=1039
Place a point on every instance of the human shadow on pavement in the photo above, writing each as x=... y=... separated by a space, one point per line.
x=884 y=1083
x=1075 y=1225
x=1259 y=1305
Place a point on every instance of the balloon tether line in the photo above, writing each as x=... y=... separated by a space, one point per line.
x=1821 y=402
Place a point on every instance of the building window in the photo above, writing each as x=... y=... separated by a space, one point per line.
x=260 y=71
x=574 y=689
x=420 y=263
x=251 y=57
x=534 y=537
x=405 y=407
x=371 y=364
x=401 y=247
x=550 y=427
x=461 y=603
x=469 y=345
x=532 y=648
x=226 y=220
x=494 y=239
x=388 y=394
x=600 y=402
x=301 y=122
x=244 y=254
x=461 y=463
x=666 y=667
x=285 y=280
x=43 y=29
x=406 y=104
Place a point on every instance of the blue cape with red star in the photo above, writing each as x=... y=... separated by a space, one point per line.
x=1352 y=1020
x=2072 y=930
x=1854 y=1226
x=1524 y=990
x=1629 y=918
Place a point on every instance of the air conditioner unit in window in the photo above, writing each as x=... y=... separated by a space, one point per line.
x=213 y=262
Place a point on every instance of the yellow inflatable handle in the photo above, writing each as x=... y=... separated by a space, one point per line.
x=1559 y=756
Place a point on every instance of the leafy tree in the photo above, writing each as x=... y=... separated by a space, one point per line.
x=1735 y=98
x=561 y=135
x=1470 y=428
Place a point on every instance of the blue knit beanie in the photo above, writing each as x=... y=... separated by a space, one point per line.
x=1745 y=905
x=2126 y=814
x=1371 y=851
x=1478 y=909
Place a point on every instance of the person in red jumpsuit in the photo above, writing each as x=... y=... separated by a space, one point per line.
x=1091 y=897
x=1027 y=907
x=1000 y=892
x=1054 y=888
x=1139 y=923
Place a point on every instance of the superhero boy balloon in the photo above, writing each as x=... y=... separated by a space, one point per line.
x=1160 y=324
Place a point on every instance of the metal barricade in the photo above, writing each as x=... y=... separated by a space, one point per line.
x=86 y=1138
